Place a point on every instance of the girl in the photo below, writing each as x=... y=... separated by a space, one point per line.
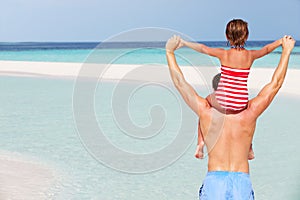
x=231 y=95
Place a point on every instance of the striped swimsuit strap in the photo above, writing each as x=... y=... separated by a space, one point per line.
x=237 y=73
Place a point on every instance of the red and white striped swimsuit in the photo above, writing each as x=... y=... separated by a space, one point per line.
x=232 y=92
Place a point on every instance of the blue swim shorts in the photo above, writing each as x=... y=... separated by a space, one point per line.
x=223 y=185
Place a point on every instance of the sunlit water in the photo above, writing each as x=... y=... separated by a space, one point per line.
x=37 y=121
x=129 y=53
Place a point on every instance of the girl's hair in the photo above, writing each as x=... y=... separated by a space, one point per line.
x=237 y=32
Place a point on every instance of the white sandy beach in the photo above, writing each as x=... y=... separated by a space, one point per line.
x=257 y=78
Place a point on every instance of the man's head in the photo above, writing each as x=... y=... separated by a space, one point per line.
x=216 y=80
x=237 y=32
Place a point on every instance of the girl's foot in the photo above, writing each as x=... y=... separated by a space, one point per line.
x=199 y=151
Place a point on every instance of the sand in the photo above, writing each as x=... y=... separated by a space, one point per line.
x=153 y=73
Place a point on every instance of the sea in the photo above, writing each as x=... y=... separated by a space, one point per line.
x=129 y=53
x=145 y=151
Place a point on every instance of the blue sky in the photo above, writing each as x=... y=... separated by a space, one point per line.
x=97 y=20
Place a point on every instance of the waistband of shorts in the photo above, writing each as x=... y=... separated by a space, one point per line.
x=227 y=173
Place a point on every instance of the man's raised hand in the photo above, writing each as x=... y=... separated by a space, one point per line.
x=288 y=43
x=172 y=44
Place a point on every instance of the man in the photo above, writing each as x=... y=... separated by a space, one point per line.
x=199 y=150
x=228 y=137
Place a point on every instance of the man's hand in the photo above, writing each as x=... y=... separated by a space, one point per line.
x=172 y=44
x=288 y=43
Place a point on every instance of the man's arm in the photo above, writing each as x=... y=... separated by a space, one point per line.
x=201 y=48
x=193 y=100
x=266 y=49
x=258 y=104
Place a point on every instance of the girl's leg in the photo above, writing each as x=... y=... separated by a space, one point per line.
x=211 y=99
x=200 y=144
x=251 y=153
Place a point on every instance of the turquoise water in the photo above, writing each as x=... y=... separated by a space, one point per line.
x=37 y=120
x=135 y=56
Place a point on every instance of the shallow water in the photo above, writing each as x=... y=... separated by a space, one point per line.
x=37 y=121
x=128 y=53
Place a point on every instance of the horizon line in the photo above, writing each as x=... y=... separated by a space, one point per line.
x=2 y=42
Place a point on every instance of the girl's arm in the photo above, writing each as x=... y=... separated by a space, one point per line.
x=201 y=48
x=266 y=49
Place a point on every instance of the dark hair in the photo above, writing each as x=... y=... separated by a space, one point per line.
x=237 y=32
x=216 y=80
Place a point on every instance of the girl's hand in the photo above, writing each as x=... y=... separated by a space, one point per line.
x=181 y=43
x=173 y=44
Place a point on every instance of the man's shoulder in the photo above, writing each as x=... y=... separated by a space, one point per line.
x=249 y=113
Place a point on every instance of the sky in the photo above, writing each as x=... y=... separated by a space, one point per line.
x=97 y=20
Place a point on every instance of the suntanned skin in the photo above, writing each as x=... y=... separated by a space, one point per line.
x=239 y=58
x=228 y=137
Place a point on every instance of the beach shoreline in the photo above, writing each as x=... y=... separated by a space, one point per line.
x=23 y=177
x=147 y=73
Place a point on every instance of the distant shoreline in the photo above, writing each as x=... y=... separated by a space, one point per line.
x=152 y=73
x=10 y=46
